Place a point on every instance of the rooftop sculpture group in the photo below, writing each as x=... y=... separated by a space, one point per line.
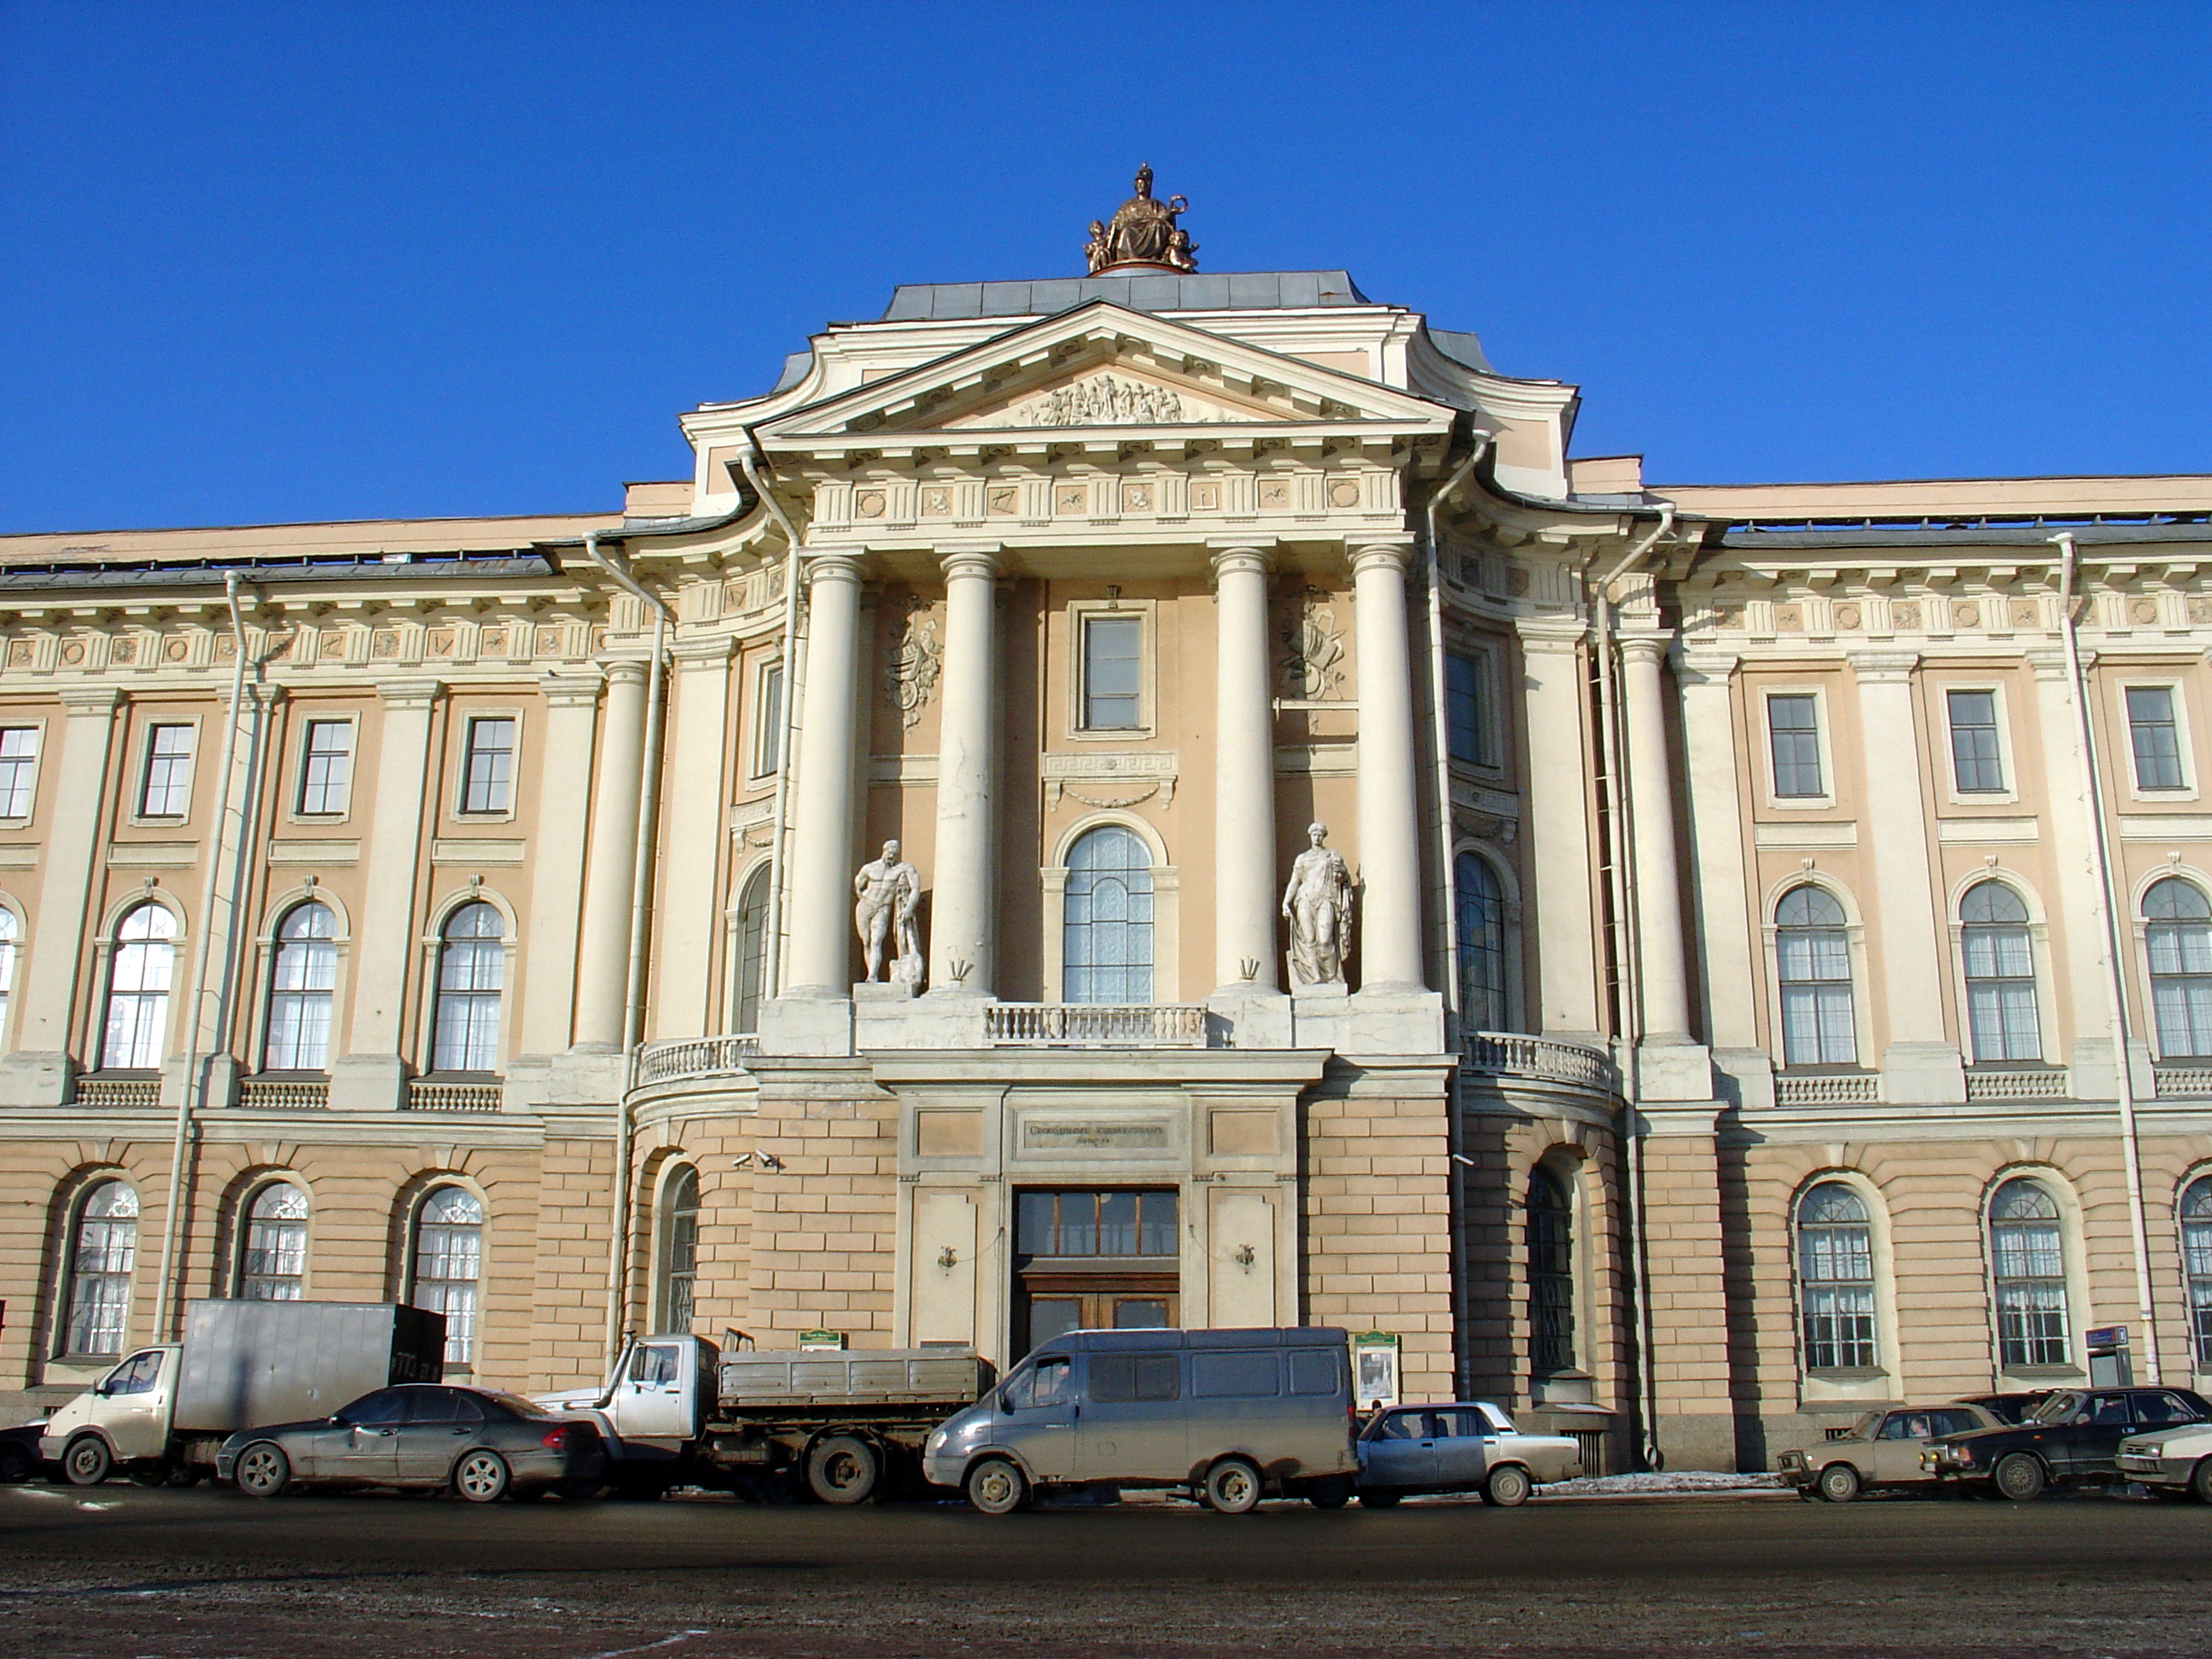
x=1142 y=233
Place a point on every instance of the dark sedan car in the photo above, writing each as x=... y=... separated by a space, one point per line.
x=2010 y=1407
x=481 y=1442
x=19 y=1454
x=2072 y=1439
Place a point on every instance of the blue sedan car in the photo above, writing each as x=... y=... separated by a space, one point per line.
x=1467 y=1446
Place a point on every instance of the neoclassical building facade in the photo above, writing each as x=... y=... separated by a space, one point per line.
x=1774 y=922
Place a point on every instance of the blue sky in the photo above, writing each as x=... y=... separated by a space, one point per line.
x=339 y=260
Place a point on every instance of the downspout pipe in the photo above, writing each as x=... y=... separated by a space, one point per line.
x=191 y=1098
x=640 y=918
x=749 y=460
x=2093 y=803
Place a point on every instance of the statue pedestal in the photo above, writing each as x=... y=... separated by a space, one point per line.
x=1321 y=1016
x=814 y=1027
x=1258 y=1017
x=1397 y=1023
x=893 y=1016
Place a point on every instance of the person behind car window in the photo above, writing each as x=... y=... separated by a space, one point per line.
x=2111 y=1408
x=1045 y=1383
x=2156 y=1410
x=1403 y=1426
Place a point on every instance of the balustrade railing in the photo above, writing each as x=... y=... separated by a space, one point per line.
x=1095 y=1025
x=275 y=1094
x=684 y=1057
x=1828 y=1089
x=124 y=1093
x=428 y=1097
x=2183 y=1082
x=1516 y=1054
x=2035 y=1085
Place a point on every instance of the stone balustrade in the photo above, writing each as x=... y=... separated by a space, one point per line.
x=470 y=1098
x=284 y=1094
x=674 y=1060
x=1516 y=1054
x=1095 y=1025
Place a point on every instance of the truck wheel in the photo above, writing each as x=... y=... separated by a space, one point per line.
x=1232 y=1487
x=1331 y=1491
x=843 y=1468
x=1838 y=1483
x=481 y=1477
x=2020 y=1477
x=262 y=1470
x=997 y=1487
x=1508 y=1486
x=1379 y=1500
x=2200 y=1481
x=88 y=1461
x=157 y=1473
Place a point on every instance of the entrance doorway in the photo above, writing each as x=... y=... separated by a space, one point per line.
x=1097 y=1259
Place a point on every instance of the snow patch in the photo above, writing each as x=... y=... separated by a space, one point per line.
x=1673 y=1480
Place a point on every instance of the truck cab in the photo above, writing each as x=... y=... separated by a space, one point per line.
x=120 y=1420
x=654 y=1402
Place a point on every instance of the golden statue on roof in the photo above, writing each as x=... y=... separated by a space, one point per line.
x=1142 y=234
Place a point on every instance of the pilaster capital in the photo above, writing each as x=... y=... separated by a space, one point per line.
x=570 y=690
x=2052 y=665
x=1552 y=635
x=1705 y=669
x=709 y=652
x=625 y=671
x=1372 y=553
x=1644 y=650
x=971 y=561
x=410 y=693
x=1883 y=667
x=836 y=566
x=87 y=700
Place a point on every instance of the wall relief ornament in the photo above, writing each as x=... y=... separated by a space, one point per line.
x=1312 y=664
x=1104 y=401
x=910 y=667
x=1142 y=231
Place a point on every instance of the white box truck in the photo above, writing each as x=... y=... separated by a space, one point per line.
x=161 y=1413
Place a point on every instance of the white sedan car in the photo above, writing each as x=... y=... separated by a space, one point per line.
x=2173 y=1462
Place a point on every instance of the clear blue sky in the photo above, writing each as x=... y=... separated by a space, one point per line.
x=273 y=262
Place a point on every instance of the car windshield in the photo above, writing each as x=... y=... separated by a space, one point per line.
x=2059 y=1409
x=1864 y=1428
x=511 y=1402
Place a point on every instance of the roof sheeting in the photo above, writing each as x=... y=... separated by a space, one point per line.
x=1250 y=291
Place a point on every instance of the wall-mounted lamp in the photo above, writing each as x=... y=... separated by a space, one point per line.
x=945 y=1258
x=1245 y=1257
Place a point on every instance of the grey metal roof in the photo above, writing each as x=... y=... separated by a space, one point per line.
x=2109 y=529
x=1246 y=290
x=174 y=573
x=1465 y=350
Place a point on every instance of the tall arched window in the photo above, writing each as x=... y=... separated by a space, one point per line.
x=273 y=1264
x=752 y=952
x=2027 y=1258
x=448 y=1262
x=471 y=970
x=1813 y=956
x=2000 y=1016
x=1551 y=1274
x=680 y=1254
x=299 y=981
x=1835 y=1279
x=1479 y=914
x=9 y=943
x=138 y=990
x=103 y=1250
x=2177 y=930
x=1106 y=931
x=2197 y=1264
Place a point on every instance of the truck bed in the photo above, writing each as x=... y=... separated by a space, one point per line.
x=827 y=1377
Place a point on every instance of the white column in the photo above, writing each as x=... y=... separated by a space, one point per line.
x=610 y=886
x=962 y=917
x=1658 y=896
x=1389 y=800
x=557 y=853
x=1244 y=885
x=1560 y=814
x=820 y=962
x=693 y=831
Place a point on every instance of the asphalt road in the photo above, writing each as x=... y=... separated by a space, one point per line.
x=121 y=1570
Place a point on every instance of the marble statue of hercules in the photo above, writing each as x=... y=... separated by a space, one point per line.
x=888 y=890
x=1317 y=904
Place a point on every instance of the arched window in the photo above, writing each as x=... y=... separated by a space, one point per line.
x=1814 y=956
x=1835 y=1279
x=448 y=1262
x=1106 y=933
x=2000 y=1016
x=274 y=1261
x=1551 y=1274
x=138 y=990
x=680 y=1254
x=752 y=952
x=2197 y=1264
x=471 y=970
x=2178 y=929
x=9 y=934
x=2028 y=1258
x=299 y=981
x=1479 y=914
x=103 y=1250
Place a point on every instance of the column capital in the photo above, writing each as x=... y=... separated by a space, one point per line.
x=571 y=690
x=710 y=652
x=89 y=700
x=1706 y=668
x=1883 y=665
x=1550 y=634
x=1642 y=648
x=836 y=566
x=1254 y=556
x=1396 y=551
x=978 y=560
x=410 y=693
x=626 y=671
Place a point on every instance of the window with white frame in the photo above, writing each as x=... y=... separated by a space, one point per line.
x=2028 y=1261
x=2000 y=967
x=103 y=1252
x=2177 y=938
x=10 y=944
x=487 y=765
x=272 y=1262
x=767 y=721
x=1106 y=924
x=300 y=978
x=1113 y=672
x=679 y=1253
x=472 y=973
x=1835 y=1279
x=752 y=952
x=1793 y=737
x=165 y=787
x=1551 y=1241
x=2196 y=1266
x=326 y=768
x=2155 y=738
x=1479 y=914
x=448 y=1263
x=139 y=971
x=19 y=769
x=1812 y=960
x=1977 y=756
x=1469 y=717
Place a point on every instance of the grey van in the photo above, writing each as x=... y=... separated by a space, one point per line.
x=1234 y=1416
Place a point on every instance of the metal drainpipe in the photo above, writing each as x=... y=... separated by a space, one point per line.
x=641 y=914
x=1456 y=1134
x=1628 y=953
x=772 y=967
x=193 y=1097
x=2093 y=803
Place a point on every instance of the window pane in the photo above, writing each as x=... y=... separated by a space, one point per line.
x=1974 y=760
x=104 y=1254
x=1480 y=923
x=1111 y=656
x=326 y=767
x=166 y=790
x=1794 y=737
x=752 y=952
x=1467 y=709
x=489 y=783
x=767 y=721
x=2155 y=737
x=19 y=762
x=2029 y=1262
x=274 y=1261
x=448 y=1262
x=1106 y=931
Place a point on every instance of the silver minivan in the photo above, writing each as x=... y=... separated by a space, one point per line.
x=1233 y=1415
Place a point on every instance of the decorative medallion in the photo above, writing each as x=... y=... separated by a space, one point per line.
x=385 y=643
x=1275 y=492
x=1967 y=614
x=2143 y=611
x=1727 y=616
x=19 y=654
x=1070 y=498
x=869 y=504
x=492 y=642
x=549 y=641
x=2200 y=610
x=1205 y=497
x=1000 y=499
x=122 y=648
x=1136 y=498
x=440 y=642
x=1847 y=616
x=1789 y=619
x=174 y=650
x=1905 y=613
x=1344 y=492
x=936 y=502
x=73 y=652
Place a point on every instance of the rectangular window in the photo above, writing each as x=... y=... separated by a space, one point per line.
x=19 y=769
x=1118 y=1378
x=326 y=768
x=2155 y=737
x=1248 y=1375
x=767 y=722
x=488 y=774
x=1975 y=766
x=165 y=791
x=1794 y=736
x=1467 y=710
x=1112 y=652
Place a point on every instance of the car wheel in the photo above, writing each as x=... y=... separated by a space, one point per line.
x=1232 y=1487
x=1508 y=1486
x=481 y=1477
x=262 y=1470
x=1331 y=1491
x=88 y=1461
x=2020 y=1477
x=1838 y=1483
x=997 y=1487
x=1378 y=1500
x=151 y=1474
x=15 y=1465
x=184 y=1474
x=843 y=1468
x=2200 y=1481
